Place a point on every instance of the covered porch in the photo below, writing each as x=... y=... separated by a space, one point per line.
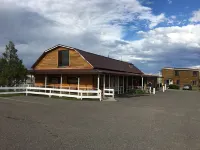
x=119 y=82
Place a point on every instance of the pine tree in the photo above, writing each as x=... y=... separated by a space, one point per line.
x=12 y=71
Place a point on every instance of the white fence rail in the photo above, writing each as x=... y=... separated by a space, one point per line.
x=109 y=92
x=79 y=94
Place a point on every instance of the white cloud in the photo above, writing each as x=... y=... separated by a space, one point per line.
x=154 y=20
x=195 y=16
x=165 y=46
x=98 y=26
x=170 y=1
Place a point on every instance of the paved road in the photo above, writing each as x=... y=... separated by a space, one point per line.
x=166 y=121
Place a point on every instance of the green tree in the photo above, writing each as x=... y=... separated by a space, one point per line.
x=12 y=70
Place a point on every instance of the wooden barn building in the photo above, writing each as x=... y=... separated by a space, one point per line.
x=67 y=67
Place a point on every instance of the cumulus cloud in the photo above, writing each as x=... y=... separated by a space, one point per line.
x=195 y=16
x=97 y=26
x=165 y=46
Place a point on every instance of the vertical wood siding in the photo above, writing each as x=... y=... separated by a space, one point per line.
x=50 y=60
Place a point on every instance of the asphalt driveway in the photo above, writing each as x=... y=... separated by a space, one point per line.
x=168 y=121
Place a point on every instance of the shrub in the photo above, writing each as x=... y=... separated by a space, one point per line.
x=173 y=86
x=138 y=91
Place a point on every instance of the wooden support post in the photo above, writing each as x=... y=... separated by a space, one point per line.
x=45 y=84
x=61 y=81
x=109 y=81
x=98 y=80
x=78 y=85
x=127 y=84
x=45 y=81
x=118 y=84
x=123 y=84
x=132 y=82
x=142 y=83
x=104 y=84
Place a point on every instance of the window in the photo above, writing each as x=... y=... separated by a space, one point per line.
x=176 y=73
x=63 y=58
x=194 y=82
x=72 y=80
x=195 y=73
x=177 y=82
x=53 y=80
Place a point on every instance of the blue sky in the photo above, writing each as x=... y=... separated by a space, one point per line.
x=149 y=33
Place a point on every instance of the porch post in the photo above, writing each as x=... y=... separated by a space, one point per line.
x=98 y=82
x=61 y=81
x=109 y=81
x=142 y=82
x=127 y=84
x=123 y=84
x=78 y=85
x=45 y=81
x=104 y=83
x=132 y=82
x=118 y=85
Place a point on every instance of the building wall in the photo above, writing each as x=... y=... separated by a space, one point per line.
x=185 y=77
x=50 y=60
x=86 y=81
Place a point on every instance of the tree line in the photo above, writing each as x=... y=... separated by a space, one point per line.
x=12 y=70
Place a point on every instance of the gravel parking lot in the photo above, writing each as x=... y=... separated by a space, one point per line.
x=169 y=120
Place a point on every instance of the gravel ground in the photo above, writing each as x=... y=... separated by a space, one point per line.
x=165 y=121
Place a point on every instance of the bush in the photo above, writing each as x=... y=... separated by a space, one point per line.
x=173 y=86
x=138 y=91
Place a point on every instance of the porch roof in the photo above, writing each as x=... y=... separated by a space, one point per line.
x=86 y=71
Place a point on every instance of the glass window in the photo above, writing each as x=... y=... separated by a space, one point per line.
x=195 y=73
x=176 y=73
x=63 y=58
x=53 y=80
x=194 y=82
x=177 y=82
x=72 y=80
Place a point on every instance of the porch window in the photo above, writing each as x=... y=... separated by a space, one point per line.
x=72 y=80
x=53 y=80
x=63 y=58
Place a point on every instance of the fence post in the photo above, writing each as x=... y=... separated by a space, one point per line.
x=49 y=93
x=81 y=95
x=99 y=93
x=150 y=90
x=154 y=91
x=163 y=88
x=26 y=92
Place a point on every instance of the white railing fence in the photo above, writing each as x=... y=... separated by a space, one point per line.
x=79 y=94
x=109 y=92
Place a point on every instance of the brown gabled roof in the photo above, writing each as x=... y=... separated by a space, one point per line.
x=100 y=62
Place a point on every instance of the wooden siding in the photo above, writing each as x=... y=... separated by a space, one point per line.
x=185 y=76
x=50 y=60
x=86 y=81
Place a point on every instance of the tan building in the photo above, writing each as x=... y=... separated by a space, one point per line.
x=181 y=76
x=67 y=67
